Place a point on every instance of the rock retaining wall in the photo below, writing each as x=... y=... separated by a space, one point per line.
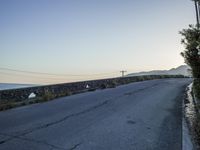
x=59 y=90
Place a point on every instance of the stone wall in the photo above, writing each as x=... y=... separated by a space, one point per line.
x=59 y=90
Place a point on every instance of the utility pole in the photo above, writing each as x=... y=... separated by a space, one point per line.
x=123 y=71
x=197 y=9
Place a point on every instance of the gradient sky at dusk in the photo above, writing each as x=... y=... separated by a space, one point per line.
x=90 y=36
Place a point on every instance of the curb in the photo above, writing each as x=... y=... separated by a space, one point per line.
x=188 y=120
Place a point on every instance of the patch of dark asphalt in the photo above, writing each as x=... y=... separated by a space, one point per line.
x=131 y=122
x=1 y=142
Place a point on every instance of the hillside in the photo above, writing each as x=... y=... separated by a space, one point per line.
x=181 y=70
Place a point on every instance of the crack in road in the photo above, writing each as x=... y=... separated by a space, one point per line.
x=39 y=142
x=54 y=122
x=65 y=118
x=75 y=146
x=29 y=140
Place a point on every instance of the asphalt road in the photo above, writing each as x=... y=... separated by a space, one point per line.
x=138 y=116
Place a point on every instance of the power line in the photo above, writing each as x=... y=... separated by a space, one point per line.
x=52 y=74
x=30 y=76
x=43 y=79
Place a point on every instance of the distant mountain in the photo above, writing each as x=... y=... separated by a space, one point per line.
x=5 y=86
x=181 y=70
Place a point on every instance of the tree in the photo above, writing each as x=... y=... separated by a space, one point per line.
x=191 y=41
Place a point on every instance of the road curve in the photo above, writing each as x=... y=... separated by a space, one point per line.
x=138 y=116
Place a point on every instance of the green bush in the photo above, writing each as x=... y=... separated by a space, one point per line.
x=6 y=106
x=63 y=93
x=91 y=89
x=113 y=84
x=103 y=86
x=48 y=96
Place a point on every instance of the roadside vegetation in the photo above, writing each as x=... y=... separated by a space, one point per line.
x=191 y=41
x=191 y=54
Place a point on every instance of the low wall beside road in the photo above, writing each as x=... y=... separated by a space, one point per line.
x=59 y=90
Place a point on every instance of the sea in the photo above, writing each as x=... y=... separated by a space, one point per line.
x=6 y=86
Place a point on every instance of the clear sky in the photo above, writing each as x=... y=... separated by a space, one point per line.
x=90 y=37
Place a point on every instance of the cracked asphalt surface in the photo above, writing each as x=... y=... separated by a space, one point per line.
x=138 y=116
